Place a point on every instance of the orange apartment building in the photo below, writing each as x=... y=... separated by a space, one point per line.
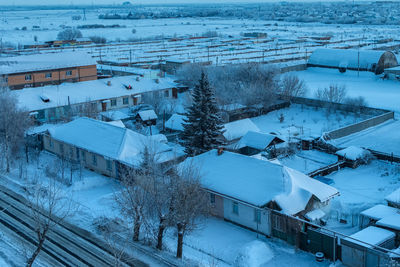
x=47 y=69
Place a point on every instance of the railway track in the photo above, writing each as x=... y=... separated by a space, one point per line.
x=66 y=244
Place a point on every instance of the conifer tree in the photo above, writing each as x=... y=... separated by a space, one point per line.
x=202 y=126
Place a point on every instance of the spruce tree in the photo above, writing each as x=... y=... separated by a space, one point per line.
x=202 y=126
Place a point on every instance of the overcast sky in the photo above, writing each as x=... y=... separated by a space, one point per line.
x=110 y=2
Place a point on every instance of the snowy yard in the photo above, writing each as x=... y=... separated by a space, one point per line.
x=303 y=121
x=377 y=92
x=380 y=138
x=362 y=188
x=307 y=161
x=215 y=243
x=233 y=245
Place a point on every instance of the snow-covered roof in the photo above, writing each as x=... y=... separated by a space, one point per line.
x=39 y=62
x=394 y=197
x=257 y=140
x=146 y=115
x=353 y=153
x=371 y=235
x=83 y=92
x=118 y=123
x=315 y=215
x=379 y=211
x=392 y=222
x=237 y=129
x=108 y=140
x=117 y=114
x=175 y=122
x=258 y=182
x=346 y=58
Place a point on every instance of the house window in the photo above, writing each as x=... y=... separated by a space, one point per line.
x=278 y=223
x=94 y=160
x=48 y=75
x=166 y=93
x=68 y=73
x=40 y=115
x=61 y=148
x=235 y=208
x=83 y=154
x=257 y=215
x=125 y=100
x=113 y=102
x=109 y=165
x=28 y=77
x=212 y=198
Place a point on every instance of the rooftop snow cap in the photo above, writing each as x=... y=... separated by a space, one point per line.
x=369 y=60
x=38 y=62
x=257 y=182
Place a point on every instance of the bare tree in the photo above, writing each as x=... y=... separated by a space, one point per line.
x=190 y=202
x=88 y=109
x=160 y=200
x=190 y=73
x=334 y=93
x=48 y=207
x=291 y=86
x=355 y=104
x=132 y=198
x=69 y=34
x=13 y=123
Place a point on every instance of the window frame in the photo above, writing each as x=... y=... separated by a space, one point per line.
x=48 y=75
x=113 y=102
x=94 y=159
x=212 y=198
x=125 y=100
x=28 y=75
x=108 y=165
x=68 y=73
x=257 y=215
x=235 y=207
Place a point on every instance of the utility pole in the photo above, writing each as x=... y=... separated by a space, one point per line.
x=358 y=59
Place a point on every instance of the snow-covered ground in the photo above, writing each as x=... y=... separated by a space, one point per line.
x=377 y=92
x=382 y=138
x=303 y=121
x=362 y=188
x=233 y=245
x=215 y=243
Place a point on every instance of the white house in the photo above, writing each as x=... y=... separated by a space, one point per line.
x=102 y=95
x=243 y=188
x=102 y=146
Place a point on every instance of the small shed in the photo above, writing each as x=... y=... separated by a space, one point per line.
x=237 y=129
x=354 y=156
x=393 y=73
x=365 y=60
x=391 y=222
x=372 y=215
x=393 y=199
x=146 y=117
x=175 y=123
x=254 y=142
x=355 y=248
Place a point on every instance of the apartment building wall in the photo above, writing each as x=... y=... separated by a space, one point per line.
x=51 y=76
